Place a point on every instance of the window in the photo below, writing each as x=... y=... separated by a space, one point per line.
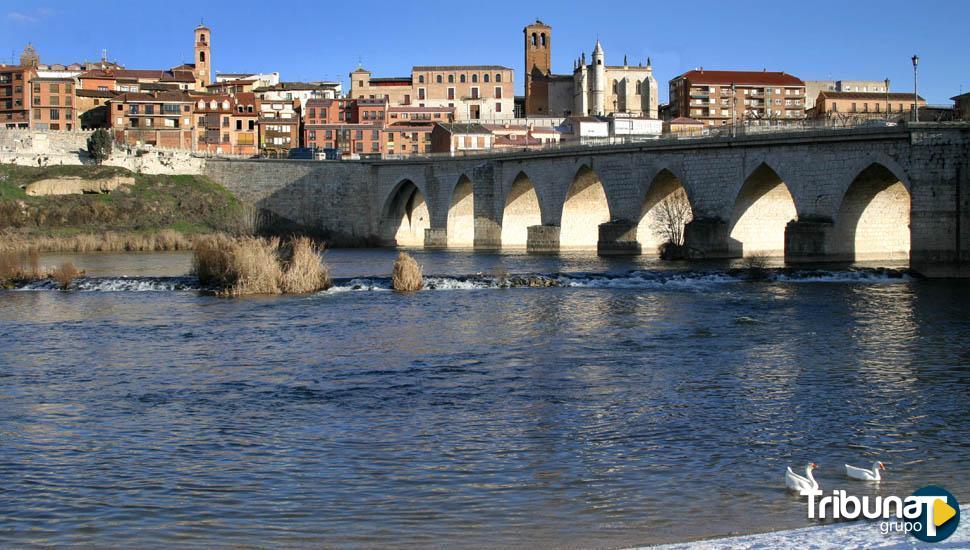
x=474 y=92
x=252 y=124
x=498 y=77
x=407 y=99
x=535 y=39
x=498 y=107
x=420 y=93
x=485 y=77
x=239 y=125
x=421 y=79
x=853 y=108
x=639 y=84
x=36 y=114
x=375 y=134
x=225 y=122
x=542 y=39
x=133 y=109
x=451 y=79
x=461 y=79
x=616 y=86
x=54 y=88
x=451 y=93
x=359 y=134
x=474 y=79
x=201 y=57
x=438 y=79
x=498 y=92
x=149 y=109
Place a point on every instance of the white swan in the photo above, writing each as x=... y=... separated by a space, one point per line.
x=865 y=475
x=795 y=482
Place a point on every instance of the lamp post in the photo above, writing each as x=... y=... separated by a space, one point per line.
x=915 y=89
x=887 y=101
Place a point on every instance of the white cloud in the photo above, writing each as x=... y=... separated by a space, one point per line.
x=30 y=16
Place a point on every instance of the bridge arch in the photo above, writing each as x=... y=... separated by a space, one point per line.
x=873 y=220
x=405 y=215
x=762 y=209
x=665 y=210
x=584 y=209
x=520 y=210
x=461 y=214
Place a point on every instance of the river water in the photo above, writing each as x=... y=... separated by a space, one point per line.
x=635 y=404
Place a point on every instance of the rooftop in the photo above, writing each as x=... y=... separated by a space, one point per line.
x=744 y=78
x=893 y=96
x=464 y=127
x=460 y=68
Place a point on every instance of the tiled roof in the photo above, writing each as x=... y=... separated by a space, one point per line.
x=460 y=68
x=464 y=128
x=158 y=96
x=685 y=120
x=150 y=74
x=744 y=78
x=95 y=93
x=894 y=96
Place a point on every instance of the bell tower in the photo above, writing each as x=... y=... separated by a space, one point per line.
x=538 y=67
x=203 y=58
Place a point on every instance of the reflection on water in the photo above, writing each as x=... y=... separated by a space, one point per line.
x=575 y=417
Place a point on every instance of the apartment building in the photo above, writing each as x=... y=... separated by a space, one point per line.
x=460 y=138
x=814 y=87
x=15 y=96
x=864 y=105
x=162 y=119
x=52 y=99
x=227 y=124
x=473 y=91
x=720 y=97
x=407 y=138
x=279 y=125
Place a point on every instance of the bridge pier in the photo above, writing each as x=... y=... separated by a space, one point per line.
x=488 y=234
x=808 y=241
x=617 y=238
x=708 y=237
x=543 y=239
x=435 y=237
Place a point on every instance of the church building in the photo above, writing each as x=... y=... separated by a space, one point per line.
x=594 y=88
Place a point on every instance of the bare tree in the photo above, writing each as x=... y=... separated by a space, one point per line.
x=673 y=214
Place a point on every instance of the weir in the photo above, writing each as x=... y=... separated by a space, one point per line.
x=892 y=193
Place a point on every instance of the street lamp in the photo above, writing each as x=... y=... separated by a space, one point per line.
x=915 y=90
x=888 y=107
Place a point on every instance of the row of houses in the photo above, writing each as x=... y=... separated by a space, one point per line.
x=434 y=109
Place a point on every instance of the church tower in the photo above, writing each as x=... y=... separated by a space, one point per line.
x=599 y=80
x=203 y=58
x=538 y=67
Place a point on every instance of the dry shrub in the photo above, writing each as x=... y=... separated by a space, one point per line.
x=255 y=266
x=406 y=275
x=65 y=274
x=20 y=267
x=251 y=265
x=305 y=270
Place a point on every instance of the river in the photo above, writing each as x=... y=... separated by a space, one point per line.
x=636 y=403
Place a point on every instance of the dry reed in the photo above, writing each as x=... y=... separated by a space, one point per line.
x=305 y=271
x=406 y=275
x=110 y=241
x=65 y=274
x=251 y=265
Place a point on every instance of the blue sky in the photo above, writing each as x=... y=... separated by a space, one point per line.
x=317 y=41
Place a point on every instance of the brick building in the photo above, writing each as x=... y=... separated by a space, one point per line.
x=162 y=119
x=227 y=124
x=135 y=80
x=15 y=95
x=460 y=138
x=91 y=108
x=473 y=91
x=713 y=97
x=52 y=100
x=280 y=126
x=864 y=105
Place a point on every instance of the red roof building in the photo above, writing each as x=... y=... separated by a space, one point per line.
x=750 y=97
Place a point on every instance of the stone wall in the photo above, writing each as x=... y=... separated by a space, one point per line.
x=52 y=148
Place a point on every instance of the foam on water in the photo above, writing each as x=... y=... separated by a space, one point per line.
x=643 y=279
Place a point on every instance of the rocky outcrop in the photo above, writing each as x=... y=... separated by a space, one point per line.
x=70 y=185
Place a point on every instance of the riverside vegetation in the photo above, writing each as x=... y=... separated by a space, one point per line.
x=156 y=213
x=23 y=267
x=239 y=266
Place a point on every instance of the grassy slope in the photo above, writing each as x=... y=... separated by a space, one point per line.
x=188 y=204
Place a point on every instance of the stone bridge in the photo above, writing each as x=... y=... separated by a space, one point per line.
x=836 y=195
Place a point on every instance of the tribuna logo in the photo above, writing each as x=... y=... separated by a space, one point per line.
x=930 y=514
